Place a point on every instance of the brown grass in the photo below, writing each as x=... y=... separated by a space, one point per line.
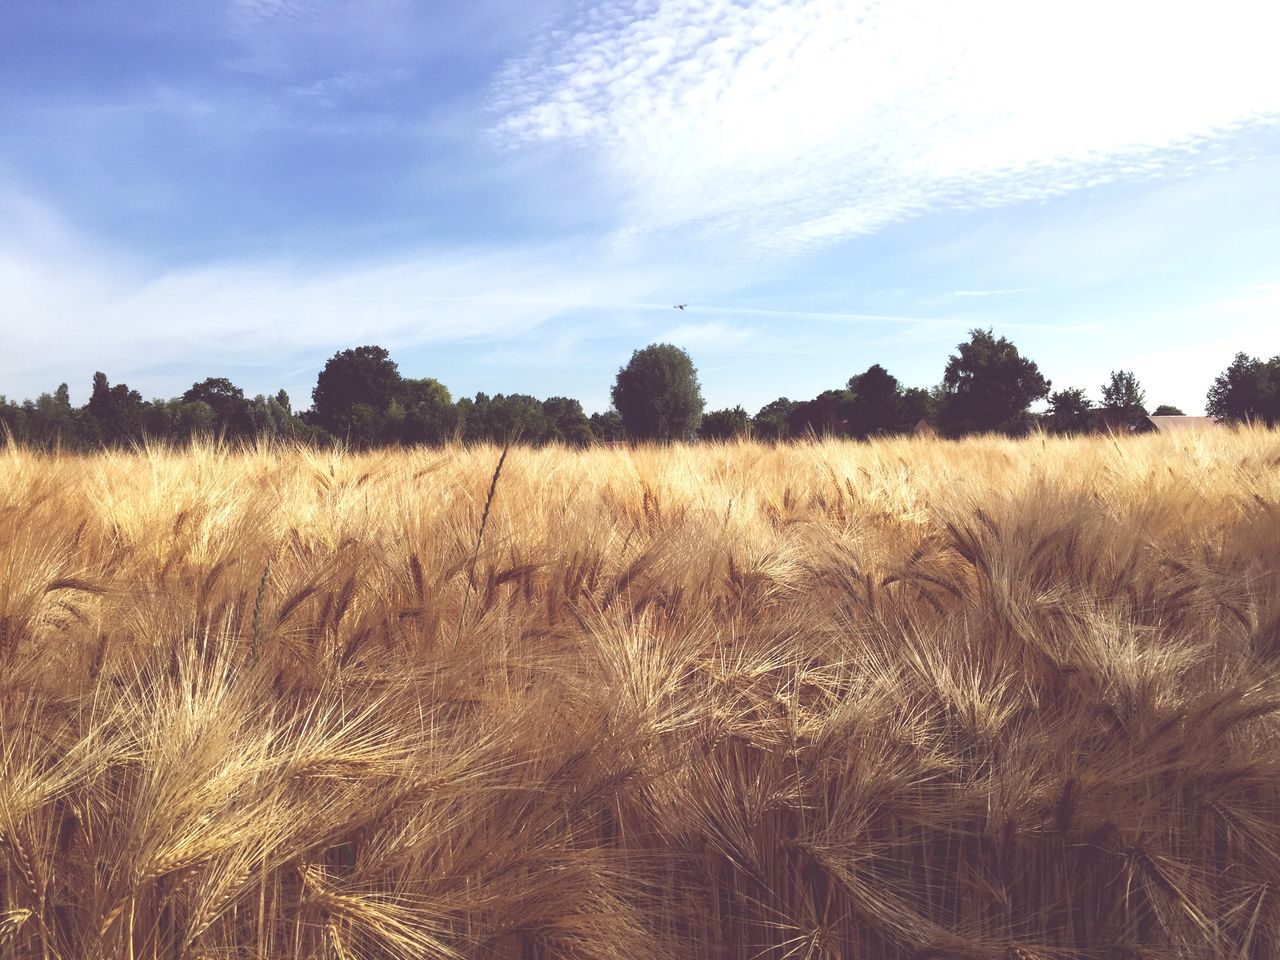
x=912 y=699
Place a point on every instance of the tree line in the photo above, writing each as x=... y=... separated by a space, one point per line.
x=362 y=400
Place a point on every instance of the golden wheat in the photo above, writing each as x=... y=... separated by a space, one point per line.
x=907 y=699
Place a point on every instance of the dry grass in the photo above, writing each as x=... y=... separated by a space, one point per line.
x=991 y=699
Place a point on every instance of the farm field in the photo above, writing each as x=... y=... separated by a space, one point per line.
x=914 y=698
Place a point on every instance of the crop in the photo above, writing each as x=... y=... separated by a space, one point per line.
x=906 y=699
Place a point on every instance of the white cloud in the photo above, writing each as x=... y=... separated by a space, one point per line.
x=716 y=334
x=796 y=124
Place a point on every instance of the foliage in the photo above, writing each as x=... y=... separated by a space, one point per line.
x=875 y=403
x=607 y=427
x=1070 y=411
x=725 y=424
x=989 y=387
x=353 y=392
x=1248 y=390
x=1167 y=410
x=1123 y=400
x=772 y=420
x=826 y=415
x=658 y=395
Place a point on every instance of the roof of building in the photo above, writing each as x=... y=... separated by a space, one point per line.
x=1181 y=423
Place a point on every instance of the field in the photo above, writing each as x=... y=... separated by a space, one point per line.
x=987 y=699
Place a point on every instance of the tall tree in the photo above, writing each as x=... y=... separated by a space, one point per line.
x=1249 y=389
x=875 y=402
x=658 y=395
x=353 y=392
x=116 y=411
x=1070 y=411
x=231 y=414
x=1123 y=400
x=989 y=386
x=825 y=415
x=422 y=413
x=569 y=419
x=770 y=421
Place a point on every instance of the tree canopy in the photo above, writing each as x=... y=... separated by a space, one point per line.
x=658 y=395
x=989 y=386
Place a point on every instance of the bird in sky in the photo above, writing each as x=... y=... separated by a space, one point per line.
x=679 y=306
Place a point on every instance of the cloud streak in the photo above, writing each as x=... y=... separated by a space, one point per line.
x=796 y=125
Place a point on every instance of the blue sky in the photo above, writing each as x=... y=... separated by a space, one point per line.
x=510 y=195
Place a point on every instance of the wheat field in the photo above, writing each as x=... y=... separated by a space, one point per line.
x=907 y=699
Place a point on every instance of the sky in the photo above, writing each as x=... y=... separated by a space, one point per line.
x=513 y=195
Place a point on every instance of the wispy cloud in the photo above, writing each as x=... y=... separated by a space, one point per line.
x=799 y=124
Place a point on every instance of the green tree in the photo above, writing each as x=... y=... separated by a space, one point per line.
x=770 y=421
x=658 y=395
x=875 y=402
x=1123 y=400
x=607 y=427
x=427 y=412
x=1248 y=390
x=571 y=424
x=724 y=424
x=231 y=414
x=917 y=404
x=116 y=412
x=1070 y=411
x=989 y=386
x=825 y=415
x=1167 y=410
x=365 y=378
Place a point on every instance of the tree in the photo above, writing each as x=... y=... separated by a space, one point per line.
x=658 y=395
x=724 y=424
x=770 y=422
x=607 y=427
x=917 y=404
x=875 y=402
x=1070 y=411
x=425 y=412
x=363 y=377
x=824 y=415
x=116 y=412
x=1123 y=399
x=1249 y=389
x=989 y=386
x=1167 y=410
x=500 y=418
x=571 y=425
x=231 y=414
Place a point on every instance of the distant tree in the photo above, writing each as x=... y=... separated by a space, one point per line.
x=824 y=415
x=116 y=412
x=989 y=386
x=917 y=404
x=353 y=392
x=1070 y=411
x=875 y=402
x=504 y=417
x=1167 y=410
x=231 y=414
x=658 y=395
x=571 y=424
x=1123 y=400
x=423 y=412
x=1248 y=390
x=770 y=421
x=724 y=424
x=607 y=427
